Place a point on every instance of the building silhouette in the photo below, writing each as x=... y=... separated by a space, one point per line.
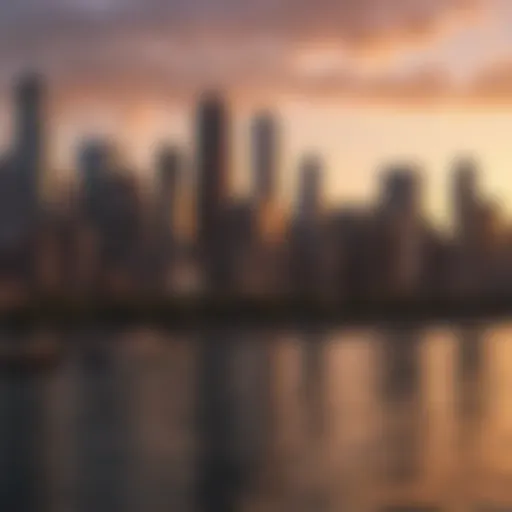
x=265 y=157
x=385 y=250
x=465 y=198
x=352 y=246
x=401 y=212
x=401 y=191
x=269 y=220
x=95 y=161
x=467 y=206
x=306 y=233
x=238 y=238
x=120 y=230
x=14 y=240
x=213 y=173
x=169 y=164
x=310 y=192
x=29 y=144
x=168 y=167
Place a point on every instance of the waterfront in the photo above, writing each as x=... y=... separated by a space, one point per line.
x=361 y=419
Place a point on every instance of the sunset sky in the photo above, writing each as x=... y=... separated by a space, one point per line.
x=362 y=82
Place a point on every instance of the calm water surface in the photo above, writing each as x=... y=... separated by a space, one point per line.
x=362 y=420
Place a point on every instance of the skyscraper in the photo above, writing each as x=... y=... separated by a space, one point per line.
x=307 y=232
x=213 y=156
x=168 y=167
x=212 y=153
x=264 y=156
x=465 y=198
x=310 y=200
x=401 y=191
x=29 y=151
x=268 y=215
x=14 y=250
x=401 y=210
x=94 y=164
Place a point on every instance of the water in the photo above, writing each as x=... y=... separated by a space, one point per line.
x=362 y=420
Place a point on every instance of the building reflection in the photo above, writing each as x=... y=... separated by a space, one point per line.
x=402 y=402
x=219 y=471
x=163 y=405
x=313 y=376
x=252 y=414
x=313 y=490
x=280 y=422
x=104 y=444
x=352 y=420
x=471 y=368
x=469 y=411
x=23 y=471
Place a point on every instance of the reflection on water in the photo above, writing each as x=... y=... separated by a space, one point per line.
x=22 y=437
x=389 y=420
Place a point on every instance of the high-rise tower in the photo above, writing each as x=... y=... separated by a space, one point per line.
x=310 y=193
x=401 y=213
x=264 y=156
x=29 y=149
x=465 y=199
x=213 y=168
x=168 y=163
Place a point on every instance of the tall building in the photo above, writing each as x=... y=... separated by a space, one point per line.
x=94 y=164
x=29 y=147
x=264 y=157
x=213 y=173
x=465 y=199
x=14 y=243
x=401 y=190
x=307 y=230
x=168 y=165
x=121 y=214
x=351 y=254
x=168 y=168
x=310 y=191
x=401 y=210
x=239 y=227
x=467 y=207
x=268 y=215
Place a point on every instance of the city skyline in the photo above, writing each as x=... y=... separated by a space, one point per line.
x=354 y=142
x=111 y=234
x=255 y=254
x=351 y=170
x=361 y=84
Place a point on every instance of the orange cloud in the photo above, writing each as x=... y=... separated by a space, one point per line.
x=493 y=83
x=183 y=44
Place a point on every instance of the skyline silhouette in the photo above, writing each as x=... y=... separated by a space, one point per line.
x=111 y=237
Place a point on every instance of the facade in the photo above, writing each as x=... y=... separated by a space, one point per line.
x=29 y=144
x=306 y=231
x=213 y=173
x=168 y=170
x=95 y=163
x=310 y=190
x=264 y=157
x=467 y=219
x=401 y=210
x=164 y=238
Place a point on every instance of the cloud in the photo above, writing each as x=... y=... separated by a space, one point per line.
x=489 y=86
x=493 y=83
x=419 y=87
x=184 y=43
x=352 y=21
